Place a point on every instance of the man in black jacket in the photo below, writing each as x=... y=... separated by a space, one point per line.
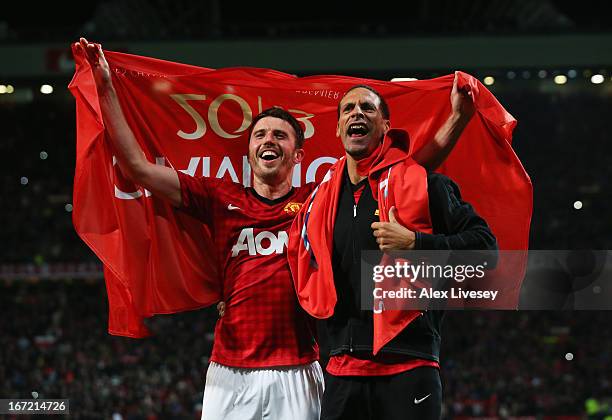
x=402 y=381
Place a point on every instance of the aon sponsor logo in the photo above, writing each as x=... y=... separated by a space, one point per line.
x=264 y=243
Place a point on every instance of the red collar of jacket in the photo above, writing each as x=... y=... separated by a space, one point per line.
x=393 y=149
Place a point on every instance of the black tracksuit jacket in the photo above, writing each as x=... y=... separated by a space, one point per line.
x=456 y=226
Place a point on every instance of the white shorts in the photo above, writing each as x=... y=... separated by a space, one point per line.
x=293 y=392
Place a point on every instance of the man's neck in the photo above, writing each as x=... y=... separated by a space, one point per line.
x=272 y=191
x=351 y=166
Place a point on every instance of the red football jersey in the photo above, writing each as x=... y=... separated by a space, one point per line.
x=263 y=324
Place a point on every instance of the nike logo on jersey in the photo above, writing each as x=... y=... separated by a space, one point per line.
x=264 y=243
x=420 y=400
x=232 y=207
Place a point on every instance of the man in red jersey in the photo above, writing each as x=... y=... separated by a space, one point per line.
x=264 y=360
x=264 y=357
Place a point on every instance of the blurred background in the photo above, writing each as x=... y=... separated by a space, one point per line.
x=548 y=62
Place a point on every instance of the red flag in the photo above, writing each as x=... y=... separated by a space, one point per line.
x=122 y=316
x=196 y=120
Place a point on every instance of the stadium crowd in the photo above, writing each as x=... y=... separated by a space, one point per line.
x=54 y=342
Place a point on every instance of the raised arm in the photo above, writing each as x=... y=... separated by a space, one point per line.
x=162 y=181
x=456 y=224
x=432 y=154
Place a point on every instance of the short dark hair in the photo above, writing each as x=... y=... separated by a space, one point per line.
x=277 y=112
x=384 y=108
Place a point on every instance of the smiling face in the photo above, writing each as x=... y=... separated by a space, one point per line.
x=361 y=124
x=272 y=150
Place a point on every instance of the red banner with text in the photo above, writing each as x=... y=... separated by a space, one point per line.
x=158 y=260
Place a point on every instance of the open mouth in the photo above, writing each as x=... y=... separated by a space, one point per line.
x=357 y=130
x=269 y=155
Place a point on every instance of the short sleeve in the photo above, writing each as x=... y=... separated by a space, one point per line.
x=198 y=196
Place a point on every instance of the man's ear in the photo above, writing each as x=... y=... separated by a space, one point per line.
x=338 y=129
x=298 y=156
x=387 y=125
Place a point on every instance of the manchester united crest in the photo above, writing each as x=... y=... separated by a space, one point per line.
x=292 y=207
